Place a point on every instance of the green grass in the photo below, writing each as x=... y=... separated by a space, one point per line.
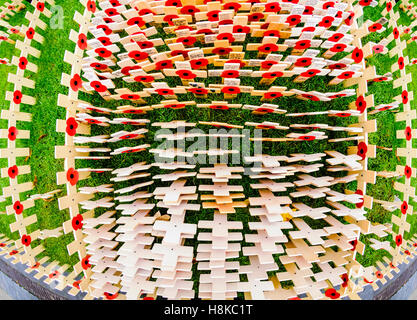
x=45 y=112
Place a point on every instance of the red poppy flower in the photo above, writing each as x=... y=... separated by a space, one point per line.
x=336 y=37
x=17 y=97
x=145 y=11
x=105 y=41
x=326 y=22
x=360 y=104
x=362 y=150
x=199 y=91
x=2 y=245
x=36 y=265
x=204 y=31
x=97 y=86
x=230 y=90
x=110 y=296
x=230 y=74
x=272 y=75
x=213 y=15
x=272 y=95
x=398 y=240
x=26 y=240
x=328 y=5
x=346 y=75
x=12 y=133
x=345 y=279
x=302 y=44
x=138 y=55
x=146 y=79
x=108 y=20
x=126 y=70
x=396 y=33
x=268 y=64
x=365 y=3
x=145 y=44
x=169 y=17
x=72 y=126
x=175 y=106
x=136 y=21
x=98 y=66
x=339 y=47
x=343 y=114
x=105 y=29
x=76 y=82
x=129 y=136
x=77 y=222
x=12 y=172
x=130 y=96
x=72 y=176
x=307 y=138
x=310 y=73
x=271 y=33
x=18 y=207
x=226 y=36
x=349 y=19
x=375 y=27
x=359 y=204
x=389 y=6
x=404 y=207
x=85 y=262
x=268 y=47
x=353 y=243
x=332 y=294
x=40 y=6
x=76 y=284
x=407 y=30
x=111 y=12
x=293 y=19
x=23 y=63
x=379 y=274
x=163 y=64
x=185 y=74
x=407 y=172
x=303 y=62
x=221 y=51
x=165 y=92
x=407 y=252
x=225 y=22
x=13 y=252
x=133 y=111
x=91 y=6
x=272 y=7
x=404 y=96
x=232 y=6
x=401 y=63
x=192 y=10
x=219 y=107
x=310 y=97
x=173 y=3
x=308 y=10
x=256 y=16
x=103 y=52
x=30 y=33
x=407 y=133
x=188 y=41
x=337 y=66
x=184 y=53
